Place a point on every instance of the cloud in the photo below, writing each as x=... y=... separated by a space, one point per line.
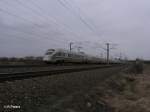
x=125 y=22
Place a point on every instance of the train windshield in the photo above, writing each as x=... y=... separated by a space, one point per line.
x=49 y=53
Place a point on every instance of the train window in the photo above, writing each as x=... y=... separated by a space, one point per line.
x=69 y=55
x=48 y=53
x=62 y=54
x=58 y=54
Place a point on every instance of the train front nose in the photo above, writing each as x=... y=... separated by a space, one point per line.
x=46 y=58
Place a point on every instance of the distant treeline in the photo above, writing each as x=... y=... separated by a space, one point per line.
x=22 y=60
x=144 y=61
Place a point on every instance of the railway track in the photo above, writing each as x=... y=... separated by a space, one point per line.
x=22 y=66
x=31 y=68
x=40 y=65
x=38 y=73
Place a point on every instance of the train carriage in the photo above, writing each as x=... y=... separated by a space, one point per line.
x=60 y=55
x=65 y=56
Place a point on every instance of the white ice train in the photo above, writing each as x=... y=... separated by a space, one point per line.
x=65 y=56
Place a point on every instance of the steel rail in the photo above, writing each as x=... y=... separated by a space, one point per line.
x=42 y=65
x=22 y=66
x=25 y=75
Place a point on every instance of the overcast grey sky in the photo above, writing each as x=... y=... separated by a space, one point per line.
x=29 y=27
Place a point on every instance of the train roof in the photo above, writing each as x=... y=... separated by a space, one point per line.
x=73 y=52
x=66 y=51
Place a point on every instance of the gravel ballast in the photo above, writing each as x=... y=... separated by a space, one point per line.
x=67 y=92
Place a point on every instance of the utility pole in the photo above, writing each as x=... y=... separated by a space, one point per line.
x=109 y=46
x=107 y=49
x=70 y=46
x=120 y=56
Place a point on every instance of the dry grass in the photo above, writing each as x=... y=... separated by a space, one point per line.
x=129 y=92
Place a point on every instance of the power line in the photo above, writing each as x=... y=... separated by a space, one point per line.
x=62 y=24
x=78 y=16
x=81 y=14
x=29 y=33
x=35 y=11
x=24 y=19
x=52 y=19
x=39 y=45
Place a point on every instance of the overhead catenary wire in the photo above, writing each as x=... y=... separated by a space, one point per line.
x=35 y=24
x=81 y=14
x=29 y=34
x=24 y=19
x=1 y=10
x=31 y=21
x=29 y=39
x=28 y=20
x=40 y=12
x=54 y=20
x=78 y=16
